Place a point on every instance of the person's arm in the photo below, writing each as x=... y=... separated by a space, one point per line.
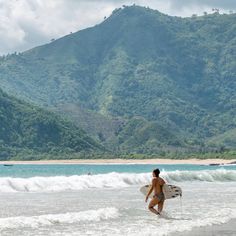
x=150 y=191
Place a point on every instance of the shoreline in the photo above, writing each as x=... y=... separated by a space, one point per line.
x=122 y=161
x=227 y=228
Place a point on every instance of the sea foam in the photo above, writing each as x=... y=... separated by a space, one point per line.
x=66 y=218
x=110 y=180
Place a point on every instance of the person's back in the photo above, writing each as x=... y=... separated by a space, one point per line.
x=158 y=182
x=158 y=197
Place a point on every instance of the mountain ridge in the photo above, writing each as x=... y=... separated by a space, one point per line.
x=177 y=72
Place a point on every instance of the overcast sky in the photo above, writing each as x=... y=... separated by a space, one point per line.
x=27 y=23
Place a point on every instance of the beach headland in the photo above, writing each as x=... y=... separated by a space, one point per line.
x=125 y=161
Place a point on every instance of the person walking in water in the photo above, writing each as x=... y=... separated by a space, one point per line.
x=158 y=197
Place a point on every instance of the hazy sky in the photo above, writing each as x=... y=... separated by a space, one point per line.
x=28 y=23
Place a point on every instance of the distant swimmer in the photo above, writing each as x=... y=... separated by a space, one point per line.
x=158 y=197
x=89 y=173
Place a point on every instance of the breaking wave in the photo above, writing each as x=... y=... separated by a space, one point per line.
x=66 y=218
x=110 y=180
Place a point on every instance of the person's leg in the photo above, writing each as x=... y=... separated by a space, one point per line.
x=152 y=204
x=160 y=206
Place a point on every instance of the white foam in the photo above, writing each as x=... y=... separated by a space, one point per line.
x=63 y=183
x=66 y=218
x=110 y=180
x=219 y=175
x=221 y=216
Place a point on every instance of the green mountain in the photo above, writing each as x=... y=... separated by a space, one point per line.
x=141 y=136
x=27 y=131
x=227 y=139
x=176 y=74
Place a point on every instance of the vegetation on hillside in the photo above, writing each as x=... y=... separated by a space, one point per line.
x=27 y=131
x=151 y=83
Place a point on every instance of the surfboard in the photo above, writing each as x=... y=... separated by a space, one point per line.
x=170 y=191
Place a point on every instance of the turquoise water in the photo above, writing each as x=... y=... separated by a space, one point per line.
x=26 y=171
x=64 y=200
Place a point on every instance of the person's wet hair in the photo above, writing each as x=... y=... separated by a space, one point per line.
x=156 y=172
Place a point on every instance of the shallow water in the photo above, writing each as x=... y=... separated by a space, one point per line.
x=64 y=200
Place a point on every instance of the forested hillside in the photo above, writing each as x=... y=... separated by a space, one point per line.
x=27 y=132
x=177 y=76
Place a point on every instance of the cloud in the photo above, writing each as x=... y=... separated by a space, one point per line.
x=224 y=4
x=28 y=23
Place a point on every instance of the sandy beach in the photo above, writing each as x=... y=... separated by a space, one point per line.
x=125 y=161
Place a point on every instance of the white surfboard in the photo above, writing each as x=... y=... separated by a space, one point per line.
x=170 y=191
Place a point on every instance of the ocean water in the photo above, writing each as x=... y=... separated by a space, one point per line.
x=105 y=199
